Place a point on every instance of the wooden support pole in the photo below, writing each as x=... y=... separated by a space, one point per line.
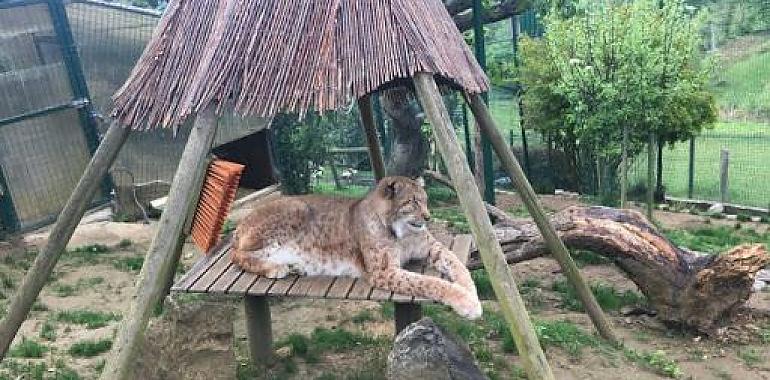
x=552 y=240
x=160 y=256
x=62 y=231
x=406 y=314
x=505 y=288
x=259 y=329
x=372 y=141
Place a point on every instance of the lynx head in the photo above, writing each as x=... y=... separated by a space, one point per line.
x=405 y=205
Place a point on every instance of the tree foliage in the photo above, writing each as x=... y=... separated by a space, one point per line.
x=606 y=65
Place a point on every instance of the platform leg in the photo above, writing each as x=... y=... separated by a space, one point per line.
x=406 y=314
x=259 y=329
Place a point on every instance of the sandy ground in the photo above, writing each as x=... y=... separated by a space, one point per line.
x=699 y=357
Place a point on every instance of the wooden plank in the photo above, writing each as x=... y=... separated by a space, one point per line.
x=282 y=286
x=320 y=286
x=261 y=286
x=341 y=287
x=380 y=294
x=360 y=291
x=302 y=286
x=226 y=280
x=243 y=283
x=200 y=268
x=211 y=275
x=462 y=247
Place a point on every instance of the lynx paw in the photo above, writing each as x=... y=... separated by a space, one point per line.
x=277 y=271
x=468 y=306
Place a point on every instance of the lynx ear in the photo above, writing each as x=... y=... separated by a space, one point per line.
x=391 y=187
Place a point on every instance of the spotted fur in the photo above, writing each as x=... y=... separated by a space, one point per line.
x=372 y=238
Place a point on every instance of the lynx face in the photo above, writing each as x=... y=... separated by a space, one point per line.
x=410 y=205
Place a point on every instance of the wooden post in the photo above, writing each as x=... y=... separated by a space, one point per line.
x=62 y=231
x=160 y=256
x=333 y=169
x=406 y=314
x=724 y=177
x=554 y=243
x=505 y=288
x=650 y=176
x=259 y=329
x=372 y=141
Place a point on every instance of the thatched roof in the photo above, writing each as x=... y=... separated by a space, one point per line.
x=271 y=56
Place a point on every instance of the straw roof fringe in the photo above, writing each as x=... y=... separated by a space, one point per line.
x=271 y=56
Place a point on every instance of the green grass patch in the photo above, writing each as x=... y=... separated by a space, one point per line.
x=27 y=349
x=656 y=361
x=129 y=264
x=609 y=298
x=741 y=82
x=88 y=254
x=750 y=356
x=454 y=217
x=585 y=258
x=63 y=290
x=125 y=243
x=91 y=319
x=90 y=348
x=715 y=240
x=11 y=369
x=363 y=316
x=48 y=331
x=350 y=191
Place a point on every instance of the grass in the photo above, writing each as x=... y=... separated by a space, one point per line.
x=88 y=254
x=363 y=316
x=748 y=145
x=48 y=331
x=129 y=264
x=454 y=217
x=27 y=349
x=91 y=319
x=656 y=361
x=90 y=348
x=609 y=298
x=741 y=81
x=715 y=240
x=750 y=356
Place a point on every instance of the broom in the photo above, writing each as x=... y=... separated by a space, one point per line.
x=217 y=195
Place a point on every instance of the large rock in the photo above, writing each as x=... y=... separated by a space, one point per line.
x=190 y=341
x=425 y=351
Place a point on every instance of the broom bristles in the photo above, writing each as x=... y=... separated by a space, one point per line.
x=217 y=195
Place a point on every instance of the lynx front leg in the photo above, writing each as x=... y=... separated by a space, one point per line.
x=445 y=261
x=464 y=303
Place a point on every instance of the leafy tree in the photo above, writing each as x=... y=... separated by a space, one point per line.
x=300 y=148
x=607 y=66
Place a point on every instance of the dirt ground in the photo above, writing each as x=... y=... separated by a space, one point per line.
x=102 y=282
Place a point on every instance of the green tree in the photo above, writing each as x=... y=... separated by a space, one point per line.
x=607 y=66
x=300 y=148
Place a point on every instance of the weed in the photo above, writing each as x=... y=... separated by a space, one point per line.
x=88 y=254
x=658 y=361
x=607 y=296
x=483 y=284
x=764 y=334
x=585 y=258
x=27 y=349
x=454 y=217
x=63 y=290
x=23 y=370
x=48 y=331
x=39 y=306
x=750 y=356
x=363 y=316
x=129 y=264
x=715 y=239
x=6 y=281
x=340 y=339
x=90 y=348
x=564 y=334
x=388 y=310
x=91 y=319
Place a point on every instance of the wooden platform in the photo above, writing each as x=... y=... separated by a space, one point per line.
x=216 y=274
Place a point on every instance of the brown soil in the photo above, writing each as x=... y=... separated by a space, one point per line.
x=744 y=357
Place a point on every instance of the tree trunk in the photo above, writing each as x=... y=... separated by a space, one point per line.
x=409 y=148
x=684 y=287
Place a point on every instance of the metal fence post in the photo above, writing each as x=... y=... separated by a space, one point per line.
x=481 y=57
x=77 y=79
x=724 y=178
x=691 y=170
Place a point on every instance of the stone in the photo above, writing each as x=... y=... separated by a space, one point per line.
x=716 y=208
x=189 y=341
x=425 y=351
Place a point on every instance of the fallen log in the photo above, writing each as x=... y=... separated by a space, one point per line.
x=685 y=287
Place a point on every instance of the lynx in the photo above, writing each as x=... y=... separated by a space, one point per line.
x=371 y=238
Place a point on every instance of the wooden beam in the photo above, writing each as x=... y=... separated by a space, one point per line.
x=555 y=245
x=505 y=288
x=259 y=329
x=160 y=256
x=372 y=141
x=62 y=231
